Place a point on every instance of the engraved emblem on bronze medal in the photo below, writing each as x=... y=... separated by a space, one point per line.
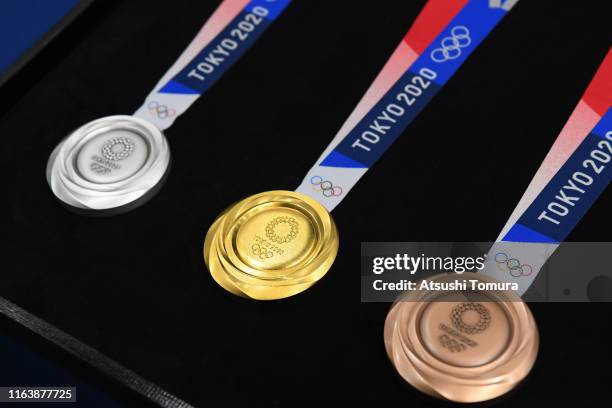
x=456 y=317
x=483 y=322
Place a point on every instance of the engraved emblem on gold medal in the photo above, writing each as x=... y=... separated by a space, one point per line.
x=271 y=245
x=284 y=237
x=464 y=346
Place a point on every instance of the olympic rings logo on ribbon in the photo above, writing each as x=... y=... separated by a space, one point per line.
x=450 y=47
x=512 y=265
x=159 y=110
x=326 y=187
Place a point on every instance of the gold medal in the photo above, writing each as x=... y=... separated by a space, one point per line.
x=464 y=346
x=271 y=245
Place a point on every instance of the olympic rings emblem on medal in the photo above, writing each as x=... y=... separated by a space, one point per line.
x=282 y=239
x=484 y=318
x=161 y=111
x=326 y=187
x=98 y=168
x=453 y=345
x=450 y=47
x=512 y=265
x=261 y=252
x=110 y=152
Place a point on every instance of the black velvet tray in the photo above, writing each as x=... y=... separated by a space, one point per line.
x=134 y=287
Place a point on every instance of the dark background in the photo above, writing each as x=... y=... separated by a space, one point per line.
x=135 y=286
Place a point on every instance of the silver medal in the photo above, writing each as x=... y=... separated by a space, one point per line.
x=114 y=163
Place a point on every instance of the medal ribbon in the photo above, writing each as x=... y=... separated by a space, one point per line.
x=228 y=33
x=443 y=36
x=576 y=170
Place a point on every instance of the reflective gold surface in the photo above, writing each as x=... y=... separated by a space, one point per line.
x=271 y=245
x=461 y=346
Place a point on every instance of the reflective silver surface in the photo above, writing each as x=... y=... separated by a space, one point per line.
x=108 y=163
